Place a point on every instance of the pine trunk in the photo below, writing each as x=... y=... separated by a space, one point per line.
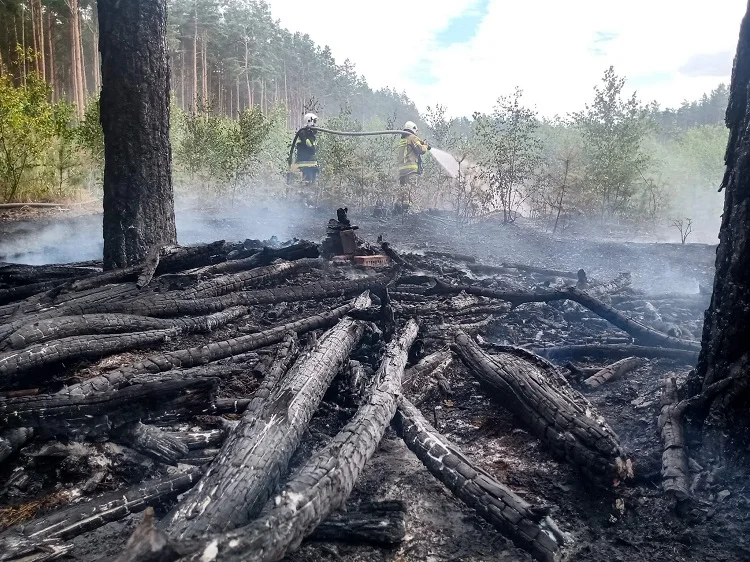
x=138 y=196
x=725 y=351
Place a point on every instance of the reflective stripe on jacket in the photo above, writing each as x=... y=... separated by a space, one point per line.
x=410 y=148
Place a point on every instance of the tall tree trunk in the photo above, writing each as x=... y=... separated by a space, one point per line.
x=138 y=197
x=52 y=81
x=725 y=348
x=204 y=68
x=195 y=58
x=23 y=43
x=75 y=55
x=82 y=59
x=34 y=35
x=40 y=27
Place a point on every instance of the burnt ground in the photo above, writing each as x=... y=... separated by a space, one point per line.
x=440 y=527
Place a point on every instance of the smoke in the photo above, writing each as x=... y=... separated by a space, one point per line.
x=198 y=220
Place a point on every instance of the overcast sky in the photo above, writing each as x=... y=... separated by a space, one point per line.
x=465 y=53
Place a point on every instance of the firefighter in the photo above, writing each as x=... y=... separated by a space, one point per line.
x=306 y=159
x=410 y=151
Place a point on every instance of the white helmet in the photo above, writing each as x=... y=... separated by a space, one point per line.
x=411 y=126
x=311 y=120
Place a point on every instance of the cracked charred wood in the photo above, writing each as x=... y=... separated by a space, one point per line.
x=242 y=478
x=174 y=305
x=533 y=390
x=231 y=405
x=14 y=294
x=13 y=439
x=151 y=441
x=528 y=526
x=219 y=350
x=226 y=284
x=148 y=268
x=376 y=523
x=675 y=472
x=324 y=482
x=266 y=256
x=618 y=284
x=76 y=347
x=425 y=368
x=89 y=515
x=644 y=334
x=149 y=544
x=616 y=369
x=195 y=440
x=614 y=351
x=176 y=260
x=63 y=414
x=16 y=274
x=69 y=326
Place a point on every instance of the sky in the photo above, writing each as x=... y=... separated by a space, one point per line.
x=464 y=54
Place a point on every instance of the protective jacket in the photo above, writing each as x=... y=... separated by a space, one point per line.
x=410 y=151
x=306 y=149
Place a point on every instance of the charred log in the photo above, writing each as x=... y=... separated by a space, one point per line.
x=13 y=439
x=219 y=350
x=614 y=370
x=613 y=351
x=66 y=414
x=68 y=326
x=526 y=525
x=674 y=469
x=258 y=451
x=84 y=517
x=151 y=441
x=542 y=399
x=266 y=256
x=377 y=523
x=644 y=334
x=326 y=480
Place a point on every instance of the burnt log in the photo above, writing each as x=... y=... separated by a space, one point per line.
x=616 y=369
x=231 y=405
x=94 y=346
x=68 y=326
x=13 y=439
x=615 y=351
x=675 y=473
x=148 y=269
x=14 y=294
x=242 y=478
x=541 y=270
x=376 y=523
x=265 y=256
x=96 y=413
x=324 y=482
x=643 y=334
x=226 y=284
x=196 y=440
x=86 y=516
x=426 y=367
x=219 y=350
x=533 y=390
x=151 y=441
x=528 y=526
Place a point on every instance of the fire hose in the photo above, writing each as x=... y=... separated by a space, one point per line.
x=346 y=134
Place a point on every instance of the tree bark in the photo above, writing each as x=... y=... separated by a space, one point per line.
x=614 y=370
x=244 y=475
x=725 y=351
x=138 y=196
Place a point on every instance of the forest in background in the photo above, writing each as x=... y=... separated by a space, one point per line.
x=241 y=84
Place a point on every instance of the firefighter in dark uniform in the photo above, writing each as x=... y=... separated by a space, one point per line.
x=306 y=159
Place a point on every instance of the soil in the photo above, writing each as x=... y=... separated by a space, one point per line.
x=634 y=521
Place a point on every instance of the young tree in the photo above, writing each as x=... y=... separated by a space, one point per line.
x=725 y=352
x=134 y=107
x=509 y=151
x=613 y=129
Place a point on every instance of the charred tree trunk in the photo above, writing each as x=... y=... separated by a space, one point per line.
x=244 y=475
x=725 y=352
x=138 y=197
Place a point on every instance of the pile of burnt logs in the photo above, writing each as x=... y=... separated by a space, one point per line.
x=188 y=383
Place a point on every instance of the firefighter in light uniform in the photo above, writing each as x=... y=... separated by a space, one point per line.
x=410 y=151
x=306 y=160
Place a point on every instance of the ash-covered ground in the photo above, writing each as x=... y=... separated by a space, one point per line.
x=634 y=521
